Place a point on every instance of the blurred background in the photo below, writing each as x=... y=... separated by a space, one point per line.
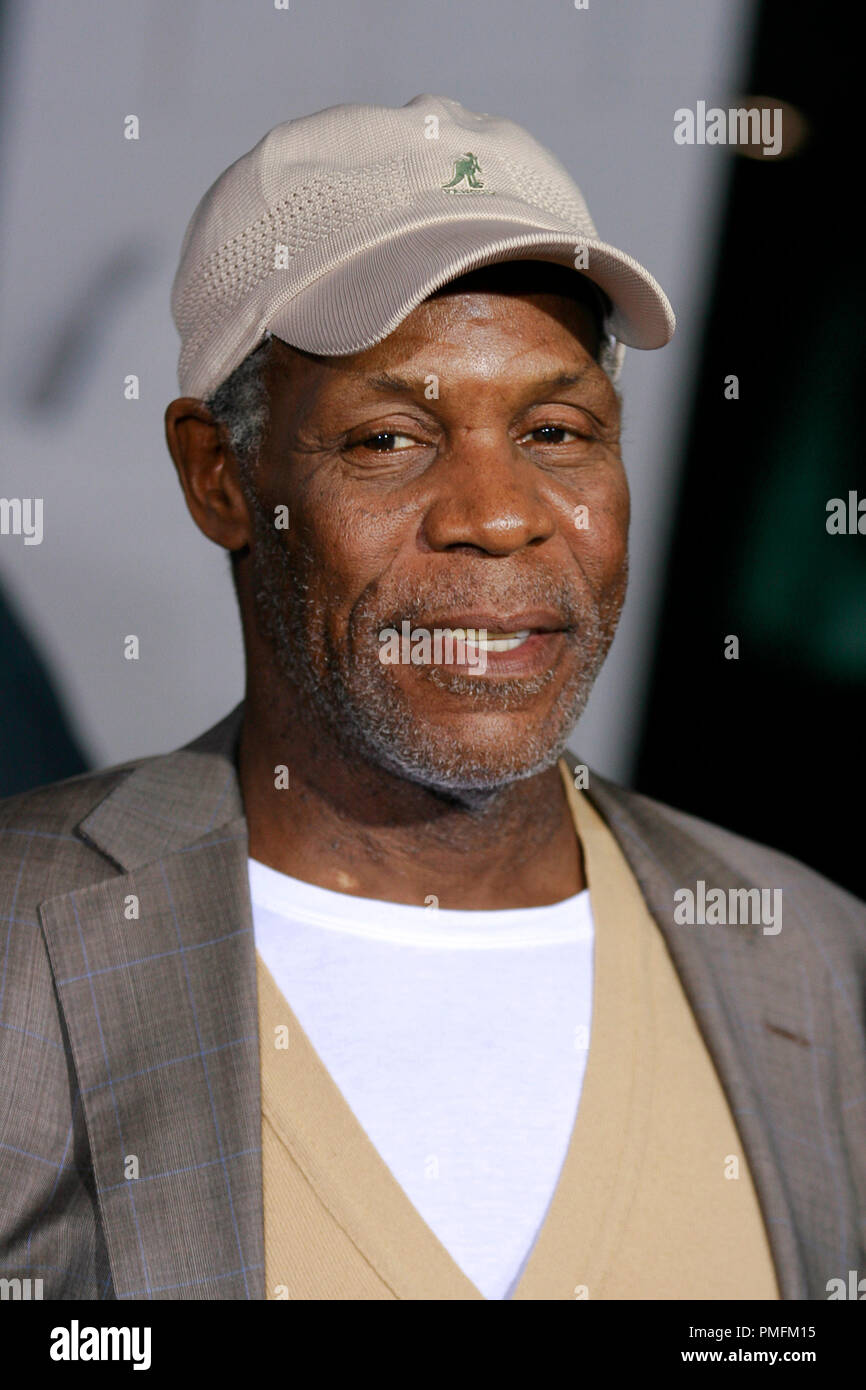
x=729 y=496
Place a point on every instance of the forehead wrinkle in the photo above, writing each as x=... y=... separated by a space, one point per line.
x=387 y=382
x=539 y=372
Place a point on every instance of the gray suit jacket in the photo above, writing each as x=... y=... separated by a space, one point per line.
x=128 y=1031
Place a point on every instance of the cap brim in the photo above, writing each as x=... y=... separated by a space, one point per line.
x=361 y=301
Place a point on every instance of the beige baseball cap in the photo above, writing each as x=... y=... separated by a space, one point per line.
x=336 y=225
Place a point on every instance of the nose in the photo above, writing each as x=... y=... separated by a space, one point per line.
x=487 y=497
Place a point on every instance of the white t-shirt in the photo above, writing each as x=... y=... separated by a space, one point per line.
x=459 y=1041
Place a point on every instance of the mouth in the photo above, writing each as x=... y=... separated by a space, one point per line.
x=498 y=626
x=487 y=641
x=513 y=644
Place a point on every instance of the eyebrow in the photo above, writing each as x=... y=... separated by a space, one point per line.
x=392 y=381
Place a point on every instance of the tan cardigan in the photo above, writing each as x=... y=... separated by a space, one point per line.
x=654 y=1200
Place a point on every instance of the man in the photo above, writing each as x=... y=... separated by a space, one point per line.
x=375 y=991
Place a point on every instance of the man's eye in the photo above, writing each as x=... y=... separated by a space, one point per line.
x=386 y=442
x=552 y=434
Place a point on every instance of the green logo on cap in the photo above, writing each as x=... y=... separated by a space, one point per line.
x=466 y=168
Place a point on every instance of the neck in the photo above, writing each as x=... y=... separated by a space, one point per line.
x=348 y=825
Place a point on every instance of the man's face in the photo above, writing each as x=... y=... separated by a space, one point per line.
x=463 y=473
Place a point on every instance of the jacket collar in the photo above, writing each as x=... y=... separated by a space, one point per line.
x=168 y=803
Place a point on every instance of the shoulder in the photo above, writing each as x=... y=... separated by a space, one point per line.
x=59 y=806
x=40 y=840
x=52 y=841
x=687 y=848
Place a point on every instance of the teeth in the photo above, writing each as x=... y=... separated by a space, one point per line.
x=493 y=641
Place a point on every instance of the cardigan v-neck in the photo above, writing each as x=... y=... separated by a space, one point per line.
x=654 y=1199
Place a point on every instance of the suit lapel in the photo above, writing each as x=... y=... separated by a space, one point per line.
x=156 y=976
x=719 y=967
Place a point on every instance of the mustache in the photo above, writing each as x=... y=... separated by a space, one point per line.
x=571 y=602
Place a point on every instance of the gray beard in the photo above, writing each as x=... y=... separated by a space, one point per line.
x=349 y=690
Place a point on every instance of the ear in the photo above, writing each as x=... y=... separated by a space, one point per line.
x=208 y=473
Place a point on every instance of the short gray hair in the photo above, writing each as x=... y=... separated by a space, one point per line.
x=240 y=404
